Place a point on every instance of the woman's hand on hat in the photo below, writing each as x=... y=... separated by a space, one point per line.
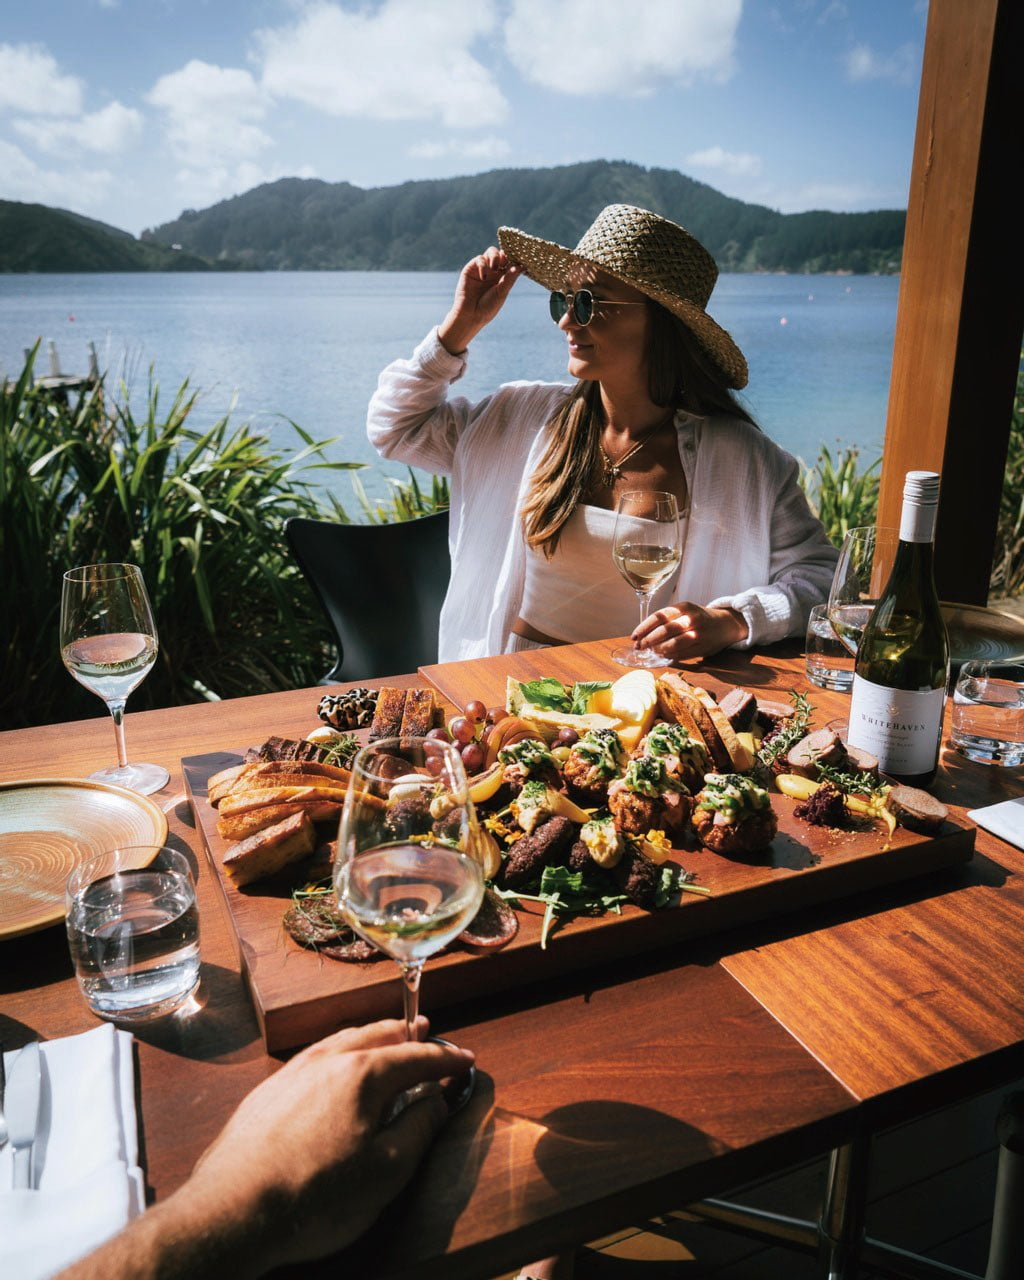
x=483 y=286
x=686 y=630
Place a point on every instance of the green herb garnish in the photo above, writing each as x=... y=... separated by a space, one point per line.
x=788 y=736
x=551 y=695
x=858 y=784
x=340 y=752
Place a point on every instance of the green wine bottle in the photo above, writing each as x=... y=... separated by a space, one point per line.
x=902 y=666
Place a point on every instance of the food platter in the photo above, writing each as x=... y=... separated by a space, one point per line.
x=50 y=825
x=299 y=995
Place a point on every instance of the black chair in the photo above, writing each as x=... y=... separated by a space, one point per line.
x=381 y=587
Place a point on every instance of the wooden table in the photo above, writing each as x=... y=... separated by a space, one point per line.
x=610 y=1096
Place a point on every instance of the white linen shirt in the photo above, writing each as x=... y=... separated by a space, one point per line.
x=752 y=543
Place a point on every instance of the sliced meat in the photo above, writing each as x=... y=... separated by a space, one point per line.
x=740 y=707
x=493 y=926
x=860 y=761
x=316 y=923
x=916 y=809
x=770 y=715
x=823 y=746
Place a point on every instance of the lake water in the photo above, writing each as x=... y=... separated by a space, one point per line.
x=308 y=346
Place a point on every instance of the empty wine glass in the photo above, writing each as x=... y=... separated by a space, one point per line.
x=861 y=572
x=108 y=642
x=406 y=873
x=646 y=548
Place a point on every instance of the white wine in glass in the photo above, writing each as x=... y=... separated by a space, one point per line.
x=646 y=548
x=108 y=642
x=861 y=572
x=406 y=871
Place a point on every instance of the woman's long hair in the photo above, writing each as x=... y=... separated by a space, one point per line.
x=680 y=374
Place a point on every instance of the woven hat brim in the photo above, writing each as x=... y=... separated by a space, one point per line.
x=551 y=265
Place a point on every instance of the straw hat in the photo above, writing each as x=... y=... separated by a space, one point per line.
x=646 y=251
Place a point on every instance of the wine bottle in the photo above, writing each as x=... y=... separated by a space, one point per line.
x=902 y=665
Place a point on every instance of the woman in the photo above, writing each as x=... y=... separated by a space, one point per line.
x=536 y=468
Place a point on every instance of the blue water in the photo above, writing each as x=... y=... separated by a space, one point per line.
x=308 y=346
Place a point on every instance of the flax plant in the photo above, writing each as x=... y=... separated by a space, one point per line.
x=840 y=494
x=202 y=513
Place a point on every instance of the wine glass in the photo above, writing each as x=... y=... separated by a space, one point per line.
x=861 y=572
x=406 y=873
x=108 y=642
x=646 y=548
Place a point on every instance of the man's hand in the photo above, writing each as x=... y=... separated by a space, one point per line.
x=686 y=630
x=483 y=286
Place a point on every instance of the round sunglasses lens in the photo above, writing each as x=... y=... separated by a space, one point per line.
x=557 y=305
x=583 y=306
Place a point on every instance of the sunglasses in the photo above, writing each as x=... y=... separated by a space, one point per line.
x=581 y=305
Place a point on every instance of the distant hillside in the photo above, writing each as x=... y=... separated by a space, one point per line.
x=36 y=238
x=307 y=225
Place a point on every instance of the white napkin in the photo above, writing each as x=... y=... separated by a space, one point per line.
x=1005 y=819
x=87 y=1181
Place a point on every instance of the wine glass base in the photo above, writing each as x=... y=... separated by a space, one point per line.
x=639 y=658
x=456 y=1090
x=143 y=778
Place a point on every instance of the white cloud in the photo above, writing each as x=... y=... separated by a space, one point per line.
x=407 y=60
x=464 y=148
x=901 y=67
x=735 y=164
x=31 y=82
x=67 y=188
x=597 y=47
x=111 y=129
x=210 y=114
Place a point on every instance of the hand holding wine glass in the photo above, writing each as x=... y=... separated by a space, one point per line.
x=647 y=548
x=406 y=873
x=108 y=642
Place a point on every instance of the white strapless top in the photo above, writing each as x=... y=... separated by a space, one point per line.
x=579 y=594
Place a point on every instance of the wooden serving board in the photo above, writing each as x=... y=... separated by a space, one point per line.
x=300 y=996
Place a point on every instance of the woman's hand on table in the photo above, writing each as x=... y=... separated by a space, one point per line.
x=304 y=1165
x=484 y=284
x=685 y=630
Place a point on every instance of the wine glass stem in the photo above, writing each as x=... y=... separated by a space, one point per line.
x=411 y=974
x=645 y=603
x=117 y=711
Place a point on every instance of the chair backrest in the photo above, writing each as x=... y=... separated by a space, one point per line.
x=381 y=586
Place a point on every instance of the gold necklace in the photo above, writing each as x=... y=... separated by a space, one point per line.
x=612 y=470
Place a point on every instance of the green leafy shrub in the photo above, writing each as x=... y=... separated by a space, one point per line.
x=1008 y=562
x=841 y=495
x=202 y=513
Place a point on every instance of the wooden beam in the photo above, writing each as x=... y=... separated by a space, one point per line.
x=961 y=303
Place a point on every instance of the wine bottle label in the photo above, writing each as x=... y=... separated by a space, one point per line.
x=900 y=727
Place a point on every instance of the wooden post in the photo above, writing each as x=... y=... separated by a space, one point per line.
x=961 y=303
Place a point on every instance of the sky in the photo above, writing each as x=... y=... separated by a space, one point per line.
x=131 y=111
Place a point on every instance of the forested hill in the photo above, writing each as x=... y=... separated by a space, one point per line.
x=306 y=224
x=34 y=237
x=300 y=224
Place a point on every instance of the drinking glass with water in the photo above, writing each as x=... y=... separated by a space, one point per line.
x=988 y=712
x=829 y=661
x=133 y=930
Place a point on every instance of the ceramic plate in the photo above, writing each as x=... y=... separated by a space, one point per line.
x=47 y=827
x=975 y=632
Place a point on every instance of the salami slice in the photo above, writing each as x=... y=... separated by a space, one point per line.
x=316 y=923
x=493 y=926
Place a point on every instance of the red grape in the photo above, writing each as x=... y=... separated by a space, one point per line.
x=439 y=734
x=462 y=730
x=475 y=711
x=434 y=765
x=473 y=757
x=567 y=736
x=496 y=715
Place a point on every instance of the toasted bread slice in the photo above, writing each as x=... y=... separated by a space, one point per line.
x=738 y=757
x=257 y=798
x=272 y=773
x=236 y=826
x=271 y=849
x=418 y=713
x=387 y=718
x=677 y=704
